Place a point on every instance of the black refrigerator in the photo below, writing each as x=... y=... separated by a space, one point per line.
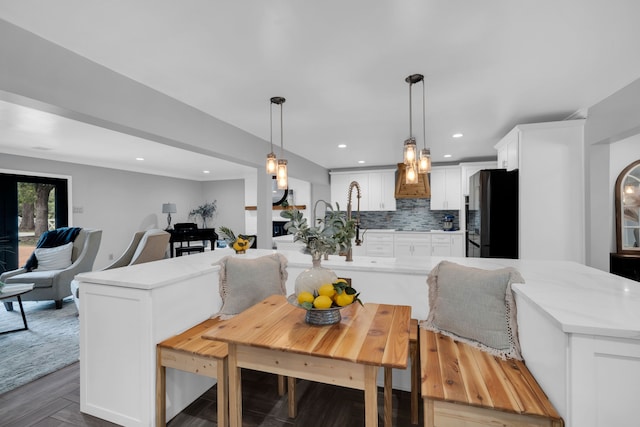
x=492 y=214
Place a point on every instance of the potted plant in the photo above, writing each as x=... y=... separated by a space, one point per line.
x=332 y=235
x=240 y=243
x=205 y=211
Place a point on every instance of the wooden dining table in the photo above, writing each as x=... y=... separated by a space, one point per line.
x=272 y=336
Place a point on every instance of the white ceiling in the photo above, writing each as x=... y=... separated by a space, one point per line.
x=341 y=65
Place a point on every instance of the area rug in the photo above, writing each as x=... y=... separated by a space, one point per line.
x=50 y=343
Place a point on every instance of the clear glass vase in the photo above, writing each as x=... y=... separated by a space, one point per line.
x=312 y=278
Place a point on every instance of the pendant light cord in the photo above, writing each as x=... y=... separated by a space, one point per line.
x=271 y=124
x=281 y=134
x=424 y=128
x=410 y=113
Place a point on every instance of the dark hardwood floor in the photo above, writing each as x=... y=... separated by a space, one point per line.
x=54 y=401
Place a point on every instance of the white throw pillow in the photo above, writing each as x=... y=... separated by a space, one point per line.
x=475 y=306
x=245 y=282
x=57 y=258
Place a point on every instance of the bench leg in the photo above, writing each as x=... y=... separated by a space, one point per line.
x=415 y=381
x=291 y=390
x=161 y=391
x=281 y=385
x=223 y=392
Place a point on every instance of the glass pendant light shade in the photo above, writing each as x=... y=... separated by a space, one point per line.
x=424 y=165
x=410 y=151
x=281 y=176
x=411 y=174
x=272 y=164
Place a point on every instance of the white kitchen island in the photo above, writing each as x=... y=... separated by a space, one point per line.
x=579 y=329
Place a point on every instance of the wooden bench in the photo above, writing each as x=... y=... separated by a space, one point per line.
x=463 y=386
x=189 y=352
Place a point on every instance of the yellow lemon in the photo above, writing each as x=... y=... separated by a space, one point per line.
x=322 y=301
x=344 y=299
x=305 y=297
x=327 y=290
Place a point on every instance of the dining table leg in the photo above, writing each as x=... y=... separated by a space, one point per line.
x=235 y=389
x=370 y=396
x=388 y=393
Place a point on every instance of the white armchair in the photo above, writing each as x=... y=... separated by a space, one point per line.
x=145 y=246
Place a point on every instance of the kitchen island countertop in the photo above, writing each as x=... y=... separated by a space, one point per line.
x=578 y=298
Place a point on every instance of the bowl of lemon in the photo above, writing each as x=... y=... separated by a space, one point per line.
x=323 y=305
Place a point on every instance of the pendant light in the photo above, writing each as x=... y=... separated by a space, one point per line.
x=410 y=150
x=271 y=157
x=281 y=168
x=424 y=164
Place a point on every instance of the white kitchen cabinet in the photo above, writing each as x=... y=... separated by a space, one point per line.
x=382 y=187
x=446 y=192
x=550 y=189
x=412 y=245
x=379 y=243
x=450 y=243
x=508 y=150
x=440 y=245
x=458 y=245
x=377 y=188
x=340 y=182
x=468 y=169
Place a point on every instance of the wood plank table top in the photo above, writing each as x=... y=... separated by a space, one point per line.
x=376 y=334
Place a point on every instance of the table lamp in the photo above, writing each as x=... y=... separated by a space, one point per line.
x=169 y=208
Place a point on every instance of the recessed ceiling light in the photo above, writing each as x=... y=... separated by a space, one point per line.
x=446 y=156
x=342 y=145
x=361 y=161
x=457 y=135
x=140 y=159
x=206 y=171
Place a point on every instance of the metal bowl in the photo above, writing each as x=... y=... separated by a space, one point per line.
x=318 y=316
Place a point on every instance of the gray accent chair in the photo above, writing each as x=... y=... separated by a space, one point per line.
x=54 y=284
x=145 y=246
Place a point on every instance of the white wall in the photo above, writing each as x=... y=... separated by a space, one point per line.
x=121 y=203
x=229 y=197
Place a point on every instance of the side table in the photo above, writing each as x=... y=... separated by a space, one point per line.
x=15 y=291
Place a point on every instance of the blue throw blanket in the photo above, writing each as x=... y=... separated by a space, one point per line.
x=51 y=239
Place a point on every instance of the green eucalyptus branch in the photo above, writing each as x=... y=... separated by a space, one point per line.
x=332 y=235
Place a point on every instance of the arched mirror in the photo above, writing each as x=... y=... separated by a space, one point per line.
x=277 y=196
x=628 y=210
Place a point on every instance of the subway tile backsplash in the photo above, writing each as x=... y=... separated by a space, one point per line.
x=410 y=215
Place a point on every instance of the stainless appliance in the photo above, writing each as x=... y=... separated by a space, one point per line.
x=492 y=214
x=447 y=223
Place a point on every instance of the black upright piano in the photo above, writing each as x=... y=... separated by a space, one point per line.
x=189 y=232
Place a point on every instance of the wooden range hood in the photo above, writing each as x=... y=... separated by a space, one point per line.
x=421 y=190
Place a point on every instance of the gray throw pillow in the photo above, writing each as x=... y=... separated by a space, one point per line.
x=245 y=282
x=475 y=306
